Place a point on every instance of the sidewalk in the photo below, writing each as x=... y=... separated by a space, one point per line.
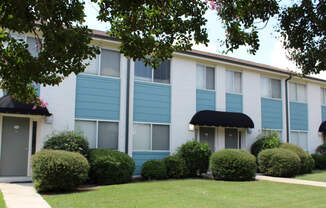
x=22 y=195
x=291 y=180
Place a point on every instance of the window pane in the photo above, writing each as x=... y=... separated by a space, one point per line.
x=300 y=139
x=237 y=82
x=265 y=87
x=301 y=90
x=201 y=77
x=33 y=46
x=88 y=130
x=108 y=134
x=142 y=136
x=323 y=96
x=93 y=66
x=229 y=81
x=162 y=73
x=293 y=92
x=19 y=37
x=142 y=72
x=210 y=78
x=161 y=137
x=276 y=88
x=110 y=63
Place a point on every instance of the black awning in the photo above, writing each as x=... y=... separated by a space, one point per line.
x=322 y=127
x=224 y=119
x=10 y=105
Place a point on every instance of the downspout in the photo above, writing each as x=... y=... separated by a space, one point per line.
x=287 y=109
x=127 y=107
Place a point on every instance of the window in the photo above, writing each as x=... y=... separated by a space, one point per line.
x=300 y=139
x=233 y=81
x=268 y=132
x=323 y=96
x=151 y=137
x=110 y=63
x=107 y=133
x=271 y=88
x=33 y=46
x=205 y=77
x=233 y=138
x=147 y=73
x=298 y=92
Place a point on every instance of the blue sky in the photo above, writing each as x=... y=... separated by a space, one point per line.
x=270 y=52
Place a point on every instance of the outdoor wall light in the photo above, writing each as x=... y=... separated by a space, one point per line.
x=191 y=127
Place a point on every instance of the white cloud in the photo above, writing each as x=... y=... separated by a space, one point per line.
x=279 y=58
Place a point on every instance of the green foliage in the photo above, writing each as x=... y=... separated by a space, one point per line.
x=57 y=170
x=306 y=166
x=110 y=167
x=267 y=142
x=62 y=48
x=320 y=161
x=176 y=167
x=154 y=170
x=196 y=155
x=278 y=162
x=152 y=31
x=233 y=165
x=309 y=164
x=68 y=141
x=321 y=149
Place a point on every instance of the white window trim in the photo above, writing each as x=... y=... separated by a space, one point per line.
x=241 y=84
x=151 y=136
x=100 y=63
x=270 y=85
x=96 y=128
x=152 y=79
x=296 y=89
x=205 y=65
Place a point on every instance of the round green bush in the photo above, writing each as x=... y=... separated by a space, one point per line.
x=110 y=167
x=154 y=170
x=321 y=149
x=278 y=162
x=233 y=165
x=196 y=155
x=309 y=164
x=69 y=141
x=320 y=161
x=304 y=156
x=267 y=142
x=57 y=170
x=176 y=167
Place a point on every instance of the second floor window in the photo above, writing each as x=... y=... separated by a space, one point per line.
x=298 y=92
x=110 y=63
x=271 y=88
x=205 y=77
x=233 y=81
x=147 y=73
x=323 y=96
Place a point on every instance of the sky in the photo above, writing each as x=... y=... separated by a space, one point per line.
x=271 y=51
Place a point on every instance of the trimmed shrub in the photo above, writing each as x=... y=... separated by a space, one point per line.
x=57 y=170
x=306 y=167
x=320 y=161
x=233 y=165
x=176 y=167
x=266 y=142
x=196 y=155
x=69 y=141
x=309 y=164
x=278 y=162
x=110 y=167
x=154 y=170
x=321 y=149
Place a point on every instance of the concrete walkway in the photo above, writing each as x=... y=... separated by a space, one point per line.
x=291 y=180
x=22 y=195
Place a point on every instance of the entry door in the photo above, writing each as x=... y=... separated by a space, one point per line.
x=207 y=135
x=232 y=139
x=14 y=146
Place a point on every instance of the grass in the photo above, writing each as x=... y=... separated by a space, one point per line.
x=194 y=193
x=316 y=175
x=2 y=202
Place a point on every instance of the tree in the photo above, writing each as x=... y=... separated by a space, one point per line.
x=149 y=30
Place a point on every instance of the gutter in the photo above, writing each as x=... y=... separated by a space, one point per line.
x=287 y=109
x=127 y=107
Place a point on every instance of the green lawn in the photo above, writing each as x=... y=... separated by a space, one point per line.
x=194 y=193
x=317 y=175
x=2 y=202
